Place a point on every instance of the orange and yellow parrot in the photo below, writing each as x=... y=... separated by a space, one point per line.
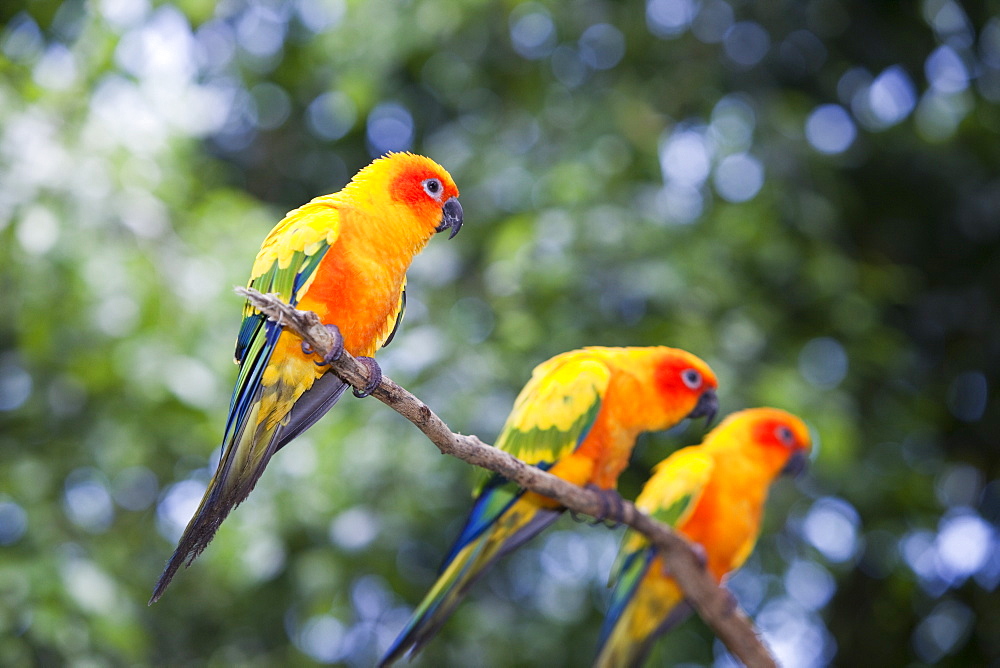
x=578 y=418
x=343 y=256
x=714 y=495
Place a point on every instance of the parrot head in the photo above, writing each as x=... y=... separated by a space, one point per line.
x=775 y=440
x=783 y=437
x=686 y=384
x=423 y=188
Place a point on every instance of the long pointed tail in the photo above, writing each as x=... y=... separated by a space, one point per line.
x=522 y=521
x=644 y=604
x=248 y=450
x=238 y=472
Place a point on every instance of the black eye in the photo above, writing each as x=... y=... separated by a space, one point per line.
x=785 y=435
x=691 y=378
x=432 y=187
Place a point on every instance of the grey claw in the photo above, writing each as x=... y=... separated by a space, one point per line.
x=612 y=507
x=374 y=377
x=335 y=352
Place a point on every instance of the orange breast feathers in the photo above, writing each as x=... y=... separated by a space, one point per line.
x=653 y=389
x=727 y=523
x=360 y=295
x=750 y=448
x=386 y=215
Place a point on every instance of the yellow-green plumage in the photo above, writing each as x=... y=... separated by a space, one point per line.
x=714 y=495
x=343 y=256
x=577 y=417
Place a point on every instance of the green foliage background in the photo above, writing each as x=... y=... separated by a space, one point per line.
x=146 y=149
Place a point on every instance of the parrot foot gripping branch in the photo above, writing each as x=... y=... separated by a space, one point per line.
x=714 y=604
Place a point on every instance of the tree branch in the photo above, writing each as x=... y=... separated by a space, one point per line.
x=714 y=604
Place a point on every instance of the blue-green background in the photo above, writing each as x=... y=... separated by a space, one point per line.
x=806 y=194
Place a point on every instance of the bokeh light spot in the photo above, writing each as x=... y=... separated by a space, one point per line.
x=823 y=362
x=943 y=631
x=38 y=230
x=322 y=638
x=738 y=178
x=190 y=381
x=92 y=588
x=13 y=522
x=123 y=13
x=354 y=529
x=260 y=30
x=390 y=128
x=917 y=548
x=685 y=157
x=273 y=105
x=890 y=99
x=56 y=69
x=475 y=318
x=321 y=15
x=989 y=43
x=264 y=557
x=331 y=115
x=87 y=502
x=732 y=123
x=967 y=396
x=746 y=43
x=135 y=488
x=602 y=46
x=567 y=66
x=963 y=544
x=832 y=528
x=669 y=18
x=532 y=32
x=116 y=315
x=809 y=584
x=945 y=70
x=713 y=21
x=796 y=638
x=370 y=597
x=566 y=557
x=215 y=45
x=949 y=21
x=959 y=485
x=178 y=506
x=680 y=203
x=22 y=39
x=560 y=601
x=830 y=129
x=15 y=383
x=939 y=114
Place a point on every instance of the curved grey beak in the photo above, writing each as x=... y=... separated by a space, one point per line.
x=796 y=464
x=707 y=407
x=451 y=216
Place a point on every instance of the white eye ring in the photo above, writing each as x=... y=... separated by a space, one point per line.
x=785 y=435
x=433 y=188
x=691 y=378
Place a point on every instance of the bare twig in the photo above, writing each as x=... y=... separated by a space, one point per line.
x=714 y=604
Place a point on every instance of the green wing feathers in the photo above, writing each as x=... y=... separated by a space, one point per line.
x=286 y=266
x=554 y=412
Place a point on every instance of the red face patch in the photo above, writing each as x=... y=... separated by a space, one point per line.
x=420 y=186
x=776 y=433
x=678 y=376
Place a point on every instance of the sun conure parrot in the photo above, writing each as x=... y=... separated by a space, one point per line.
x=344 y=256
x=578 y=418
x=714 y=495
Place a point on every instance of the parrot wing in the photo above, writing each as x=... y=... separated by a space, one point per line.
x=286 y=265
x=669 y=496
x=551 y=417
